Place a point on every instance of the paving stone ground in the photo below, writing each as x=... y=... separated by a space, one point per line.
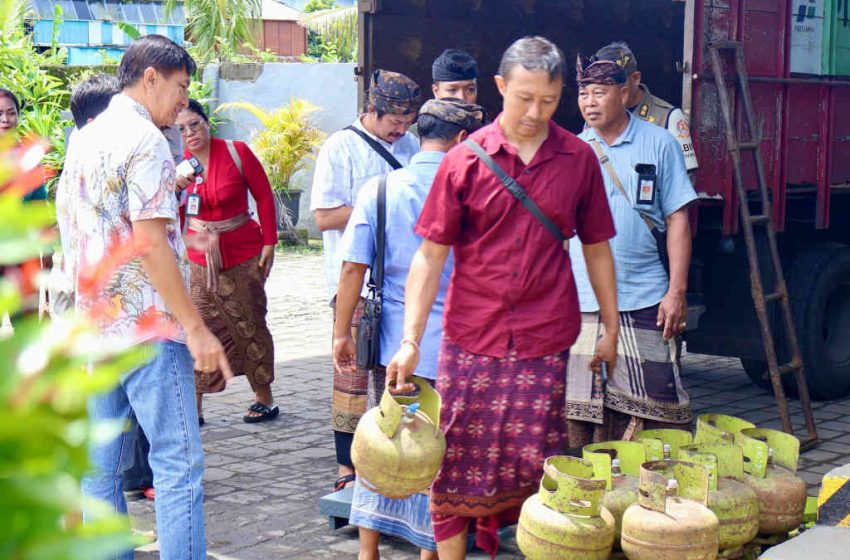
x=263 y=482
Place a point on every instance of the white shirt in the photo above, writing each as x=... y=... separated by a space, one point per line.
x=118 y=170
x=344 y=164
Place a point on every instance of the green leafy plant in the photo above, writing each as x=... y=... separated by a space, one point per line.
x=336 y=29
x=44 y=430
x=202 y=92
x=287 y=139
x=218 y=27
x=23 y=71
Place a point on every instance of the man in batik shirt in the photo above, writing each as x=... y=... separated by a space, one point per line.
x=117 y=192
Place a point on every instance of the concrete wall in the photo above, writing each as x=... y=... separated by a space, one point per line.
x=331 y=87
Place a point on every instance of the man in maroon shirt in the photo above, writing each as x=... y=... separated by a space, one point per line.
x=512 y=310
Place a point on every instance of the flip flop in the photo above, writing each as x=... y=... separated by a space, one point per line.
x=343 y=480
x=265 y=413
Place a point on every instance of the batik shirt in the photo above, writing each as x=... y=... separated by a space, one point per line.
x=119 y=170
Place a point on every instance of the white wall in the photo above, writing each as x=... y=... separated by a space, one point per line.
x=331 y=87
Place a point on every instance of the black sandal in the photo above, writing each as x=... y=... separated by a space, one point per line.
x=343 y=480
x=265 y=413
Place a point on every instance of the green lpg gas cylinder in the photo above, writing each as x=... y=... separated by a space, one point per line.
x=770 y=466
x=398 y=446
x=618 y=462
x=670 y=521
x=734 y=503
x=566 y=520
x=719 y=427
x=663 y=444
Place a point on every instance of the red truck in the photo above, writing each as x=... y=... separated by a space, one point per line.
x=795 y=51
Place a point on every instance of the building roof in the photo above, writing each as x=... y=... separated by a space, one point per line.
x=299 y=4
x=277 y=11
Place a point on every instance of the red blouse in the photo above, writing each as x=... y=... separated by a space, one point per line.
x=224 y=195
x=512 y=289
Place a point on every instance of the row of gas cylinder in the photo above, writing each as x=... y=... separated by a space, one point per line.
x=667 y=495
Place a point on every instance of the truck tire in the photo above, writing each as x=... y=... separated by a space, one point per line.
x=756 y=372
x=819 y=292
x=819 y=288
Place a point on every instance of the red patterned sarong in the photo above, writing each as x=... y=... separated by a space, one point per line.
x=502 y=418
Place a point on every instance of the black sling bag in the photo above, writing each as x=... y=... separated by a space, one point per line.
x=369 y=330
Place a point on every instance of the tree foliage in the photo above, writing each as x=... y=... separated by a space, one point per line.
x=23 y=72
x=336 y=29
x=219 y=27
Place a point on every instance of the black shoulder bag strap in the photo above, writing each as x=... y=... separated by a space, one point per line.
x=515 y=189
x=376 y=277
x=376 y=146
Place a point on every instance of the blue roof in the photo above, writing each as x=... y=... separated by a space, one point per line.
x=132 y=11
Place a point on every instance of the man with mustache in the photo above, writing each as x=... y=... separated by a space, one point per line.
x=376 y=143
x=648 y=190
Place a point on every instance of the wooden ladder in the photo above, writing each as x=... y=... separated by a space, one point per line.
x=737 y=147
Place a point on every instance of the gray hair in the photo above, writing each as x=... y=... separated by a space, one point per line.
x=534 y=54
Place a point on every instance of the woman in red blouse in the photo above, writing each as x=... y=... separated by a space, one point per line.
x=228 y=278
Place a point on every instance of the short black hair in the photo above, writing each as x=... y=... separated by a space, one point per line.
x=9 y=95
x=196 y=107
x=432 y=128
x=153 y=51
x=91 y=96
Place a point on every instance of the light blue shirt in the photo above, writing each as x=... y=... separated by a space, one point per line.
x=406 y=192
x=641 y=278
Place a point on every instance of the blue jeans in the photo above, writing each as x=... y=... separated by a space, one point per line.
x=161 y=393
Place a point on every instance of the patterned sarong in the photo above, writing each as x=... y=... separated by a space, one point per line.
x=350 y=389
x=501 y=418
x=645 y=383
x=235 y=312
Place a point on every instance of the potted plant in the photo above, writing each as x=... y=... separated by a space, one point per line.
x=283 y=145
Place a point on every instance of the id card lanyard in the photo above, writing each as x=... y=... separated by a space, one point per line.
x=193 y=203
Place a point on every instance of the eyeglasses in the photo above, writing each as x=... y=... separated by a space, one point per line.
x=193 y=126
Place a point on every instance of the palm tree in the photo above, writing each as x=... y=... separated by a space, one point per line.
x=338 y=27
x=219 y=27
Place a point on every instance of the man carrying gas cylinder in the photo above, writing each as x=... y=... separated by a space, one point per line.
x=648 y=190
x=442 y=125
x=511 y=311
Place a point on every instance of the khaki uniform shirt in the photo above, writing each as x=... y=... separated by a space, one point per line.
x=657 y=111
